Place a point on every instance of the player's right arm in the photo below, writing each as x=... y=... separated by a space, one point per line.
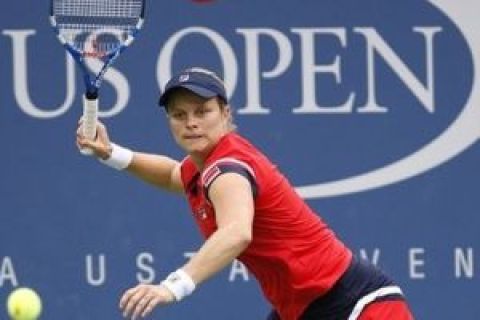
x=158 y=170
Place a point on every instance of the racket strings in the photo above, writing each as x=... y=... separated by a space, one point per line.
x=95 y=50
x=97 y=27
x=91 y=27
x=98 y=8
x=72 y=30
x=97 y=40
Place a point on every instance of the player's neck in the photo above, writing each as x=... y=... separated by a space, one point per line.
x=198 y=161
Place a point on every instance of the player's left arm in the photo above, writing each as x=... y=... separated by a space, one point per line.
x=232 y=197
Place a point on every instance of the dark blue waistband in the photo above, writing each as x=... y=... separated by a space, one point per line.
x=360 y=278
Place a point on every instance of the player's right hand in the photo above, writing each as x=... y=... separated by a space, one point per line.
x=100 y=146
x=140 y=301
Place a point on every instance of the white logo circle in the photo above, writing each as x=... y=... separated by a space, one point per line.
x=456 y=138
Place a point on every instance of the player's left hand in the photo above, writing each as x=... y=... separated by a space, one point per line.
x=142 y=299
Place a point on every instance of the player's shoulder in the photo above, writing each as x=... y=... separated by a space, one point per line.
x=232 y=145
x=232 y=153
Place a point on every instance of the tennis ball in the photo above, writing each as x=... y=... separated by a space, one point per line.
x=24 y=304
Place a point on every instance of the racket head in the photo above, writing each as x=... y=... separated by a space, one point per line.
x=96 y=28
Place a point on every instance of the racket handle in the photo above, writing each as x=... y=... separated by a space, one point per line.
x=90 y=116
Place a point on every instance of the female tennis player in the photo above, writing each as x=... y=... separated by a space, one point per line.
x=247 y=210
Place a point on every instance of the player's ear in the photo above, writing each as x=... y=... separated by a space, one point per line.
x=224 y=107
x=227 y=111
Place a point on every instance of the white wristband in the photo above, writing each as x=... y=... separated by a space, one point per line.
x=120 y=157
x=179 y=283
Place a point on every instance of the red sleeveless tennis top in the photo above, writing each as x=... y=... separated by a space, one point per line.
x=294 y=255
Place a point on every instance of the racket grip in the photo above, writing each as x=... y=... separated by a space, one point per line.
x=90 y=116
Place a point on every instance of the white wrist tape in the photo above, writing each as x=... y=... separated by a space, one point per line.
x=179 y=283
x=120 y=157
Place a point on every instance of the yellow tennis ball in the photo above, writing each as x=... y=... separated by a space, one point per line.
x=24 y=304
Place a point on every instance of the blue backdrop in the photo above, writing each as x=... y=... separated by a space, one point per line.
x=370 y=107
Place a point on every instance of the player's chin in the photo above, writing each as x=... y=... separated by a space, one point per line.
x=189 y=146
x=194 y=144
x=198 y=149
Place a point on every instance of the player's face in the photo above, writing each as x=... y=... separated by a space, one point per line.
x=197 y=124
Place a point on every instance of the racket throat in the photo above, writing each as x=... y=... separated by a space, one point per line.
x=91 y=94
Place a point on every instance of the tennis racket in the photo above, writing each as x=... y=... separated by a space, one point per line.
x=95 y=30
